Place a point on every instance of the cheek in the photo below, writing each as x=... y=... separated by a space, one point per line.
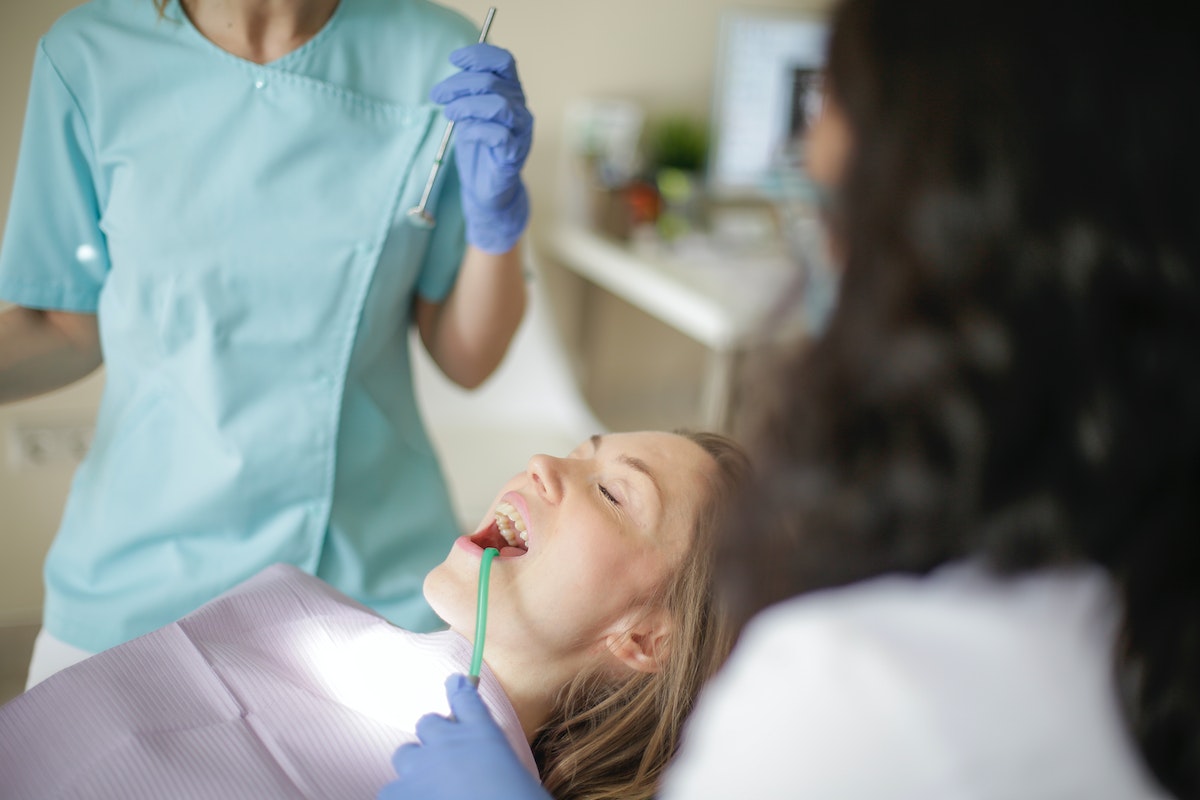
x=582 y=594
x=615 y=578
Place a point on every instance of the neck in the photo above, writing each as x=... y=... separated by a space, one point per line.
x=259 y=30
x=531 y=683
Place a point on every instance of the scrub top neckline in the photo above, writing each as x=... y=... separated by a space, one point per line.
x=291 y=55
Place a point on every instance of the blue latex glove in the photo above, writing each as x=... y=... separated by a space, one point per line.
x=493 y=132
x=467 y=756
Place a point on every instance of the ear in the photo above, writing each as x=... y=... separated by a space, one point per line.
x=642 y=641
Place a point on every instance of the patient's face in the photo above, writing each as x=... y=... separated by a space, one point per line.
x=605 y=527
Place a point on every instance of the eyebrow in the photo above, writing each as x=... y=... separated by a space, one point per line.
x=635 y=463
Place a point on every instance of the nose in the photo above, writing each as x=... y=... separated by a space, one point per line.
x=546 y=472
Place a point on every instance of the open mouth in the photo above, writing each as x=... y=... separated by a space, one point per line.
x=506 y=532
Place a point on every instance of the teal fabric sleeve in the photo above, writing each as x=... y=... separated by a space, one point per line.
x=53 y=255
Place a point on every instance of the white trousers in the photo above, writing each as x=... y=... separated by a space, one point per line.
x=49 y=656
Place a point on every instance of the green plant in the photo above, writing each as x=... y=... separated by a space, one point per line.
x=678 y=142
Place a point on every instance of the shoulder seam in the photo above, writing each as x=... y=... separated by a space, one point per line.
x=74 y=100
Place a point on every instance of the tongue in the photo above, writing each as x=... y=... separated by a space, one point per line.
x=491 y=537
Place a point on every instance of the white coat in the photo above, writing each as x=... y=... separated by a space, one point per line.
x=956 y=685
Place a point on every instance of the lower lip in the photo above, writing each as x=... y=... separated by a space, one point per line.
x=465 y=543
x=475 y=551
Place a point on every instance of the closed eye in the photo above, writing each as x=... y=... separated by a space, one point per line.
x=609 y=497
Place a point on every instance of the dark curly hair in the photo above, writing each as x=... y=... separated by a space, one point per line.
x=1013 y=372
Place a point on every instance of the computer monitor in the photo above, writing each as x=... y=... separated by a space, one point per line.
x=767 y=88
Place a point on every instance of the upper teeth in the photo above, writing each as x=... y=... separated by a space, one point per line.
x=511 y=525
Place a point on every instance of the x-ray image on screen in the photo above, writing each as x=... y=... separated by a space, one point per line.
x=806 y=101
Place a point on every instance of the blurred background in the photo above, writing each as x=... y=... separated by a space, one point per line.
x=665 y=185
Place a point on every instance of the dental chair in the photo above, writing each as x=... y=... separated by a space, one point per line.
x=531 y=404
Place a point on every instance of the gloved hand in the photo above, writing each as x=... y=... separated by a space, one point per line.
x=467 y=756
x=493 y=132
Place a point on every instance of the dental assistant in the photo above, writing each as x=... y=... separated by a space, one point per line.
x=210 y=200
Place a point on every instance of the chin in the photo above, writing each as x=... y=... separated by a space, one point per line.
x=446 y=596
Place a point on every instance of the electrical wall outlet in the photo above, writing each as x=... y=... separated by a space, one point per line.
x=32 y=446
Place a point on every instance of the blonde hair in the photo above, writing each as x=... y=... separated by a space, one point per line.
x=611 y=737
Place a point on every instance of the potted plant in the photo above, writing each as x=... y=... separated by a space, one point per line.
x=677 y=151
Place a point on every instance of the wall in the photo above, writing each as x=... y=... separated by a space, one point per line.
x=657 y=52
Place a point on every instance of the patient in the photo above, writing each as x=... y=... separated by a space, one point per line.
x=601 y=629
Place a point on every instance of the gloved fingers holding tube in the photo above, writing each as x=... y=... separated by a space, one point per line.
x=493 y=134
x=465 y=755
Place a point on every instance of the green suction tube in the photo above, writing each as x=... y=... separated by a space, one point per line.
x=485 y=574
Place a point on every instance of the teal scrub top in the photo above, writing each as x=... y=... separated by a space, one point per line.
x=239 y=229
